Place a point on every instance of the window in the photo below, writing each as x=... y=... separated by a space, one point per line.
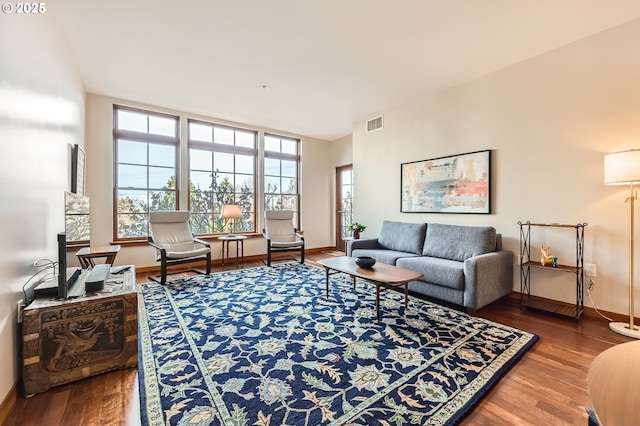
x=222 y=170
x=146 y=152
x=281 y=165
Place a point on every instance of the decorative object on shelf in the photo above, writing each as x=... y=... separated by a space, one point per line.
x=623 y=168
x=545 y=257
x=365 y=262
x=233 y=212
x=454 y=184
x=356 y=228
x=555 y=262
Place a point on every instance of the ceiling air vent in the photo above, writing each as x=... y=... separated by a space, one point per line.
x=374 y=124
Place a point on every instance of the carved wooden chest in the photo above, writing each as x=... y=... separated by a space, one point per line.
x=67 y=340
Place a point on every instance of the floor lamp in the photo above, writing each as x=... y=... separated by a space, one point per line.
x=233 y=212
x=623 y=168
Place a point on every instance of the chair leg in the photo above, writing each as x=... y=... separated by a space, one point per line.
x=163 y=273
x=268 y=256
x=302 y=255
x=209 y=263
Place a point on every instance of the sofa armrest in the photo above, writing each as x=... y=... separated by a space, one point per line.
x=367 y=243
x=488 y=277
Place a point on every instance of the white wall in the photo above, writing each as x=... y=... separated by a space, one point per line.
x=315 y=180
x=549 y=121
x=41 y=118
x=342 y=151
x=341 y=155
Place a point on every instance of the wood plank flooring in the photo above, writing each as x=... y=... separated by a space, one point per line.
x=547 y=386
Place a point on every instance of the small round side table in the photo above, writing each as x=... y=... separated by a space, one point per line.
x=239 y=240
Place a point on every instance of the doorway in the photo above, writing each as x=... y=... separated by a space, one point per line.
x=344 y=204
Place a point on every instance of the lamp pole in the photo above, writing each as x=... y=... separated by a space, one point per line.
x=632 y=198
x=623 y=168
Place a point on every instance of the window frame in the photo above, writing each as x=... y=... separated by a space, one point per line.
x=214 y=147
x=288 y=157
x=147 y=138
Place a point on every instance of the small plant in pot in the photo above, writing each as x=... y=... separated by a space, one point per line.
x=356 y=228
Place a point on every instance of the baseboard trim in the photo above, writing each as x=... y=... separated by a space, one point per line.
x=8 y=403
x=155 y=269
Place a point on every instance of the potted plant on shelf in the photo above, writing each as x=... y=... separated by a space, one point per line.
x=356 y=228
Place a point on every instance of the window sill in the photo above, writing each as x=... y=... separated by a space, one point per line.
x=210 y=238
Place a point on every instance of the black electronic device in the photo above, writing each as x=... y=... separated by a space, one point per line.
x=69 y=284
x=96 y=278
x=63 y=285
x=51 y=287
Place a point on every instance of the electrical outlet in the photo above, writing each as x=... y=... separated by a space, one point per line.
x=590 y=269
x=20 y=302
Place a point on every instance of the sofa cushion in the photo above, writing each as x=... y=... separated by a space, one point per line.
x=458 y=242
x=443 y=272
x=383 y=256
x=402 y=236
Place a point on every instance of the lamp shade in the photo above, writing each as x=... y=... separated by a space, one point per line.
x=622 y=168
x=231 y=211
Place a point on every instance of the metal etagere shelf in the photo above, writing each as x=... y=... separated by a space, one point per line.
x=526 y=299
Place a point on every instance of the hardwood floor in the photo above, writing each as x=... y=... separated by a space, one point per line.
x=547 y=386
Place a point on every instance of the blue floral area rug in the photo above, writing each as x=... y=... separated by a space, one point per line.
x=264 y=346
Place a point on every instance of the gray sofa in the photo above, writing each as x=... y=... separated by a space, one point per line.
x=463 y=265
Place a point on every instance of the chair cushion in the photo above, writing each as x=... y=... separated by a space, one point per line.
x=279 y=214
x=171 y=230
x=169 y=216
x=279 y=226
x=285 y=244
x=186 y=254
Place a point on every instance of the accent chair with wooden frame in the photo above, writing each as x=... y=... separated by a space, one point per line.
x=171 y=236
x=281 y=235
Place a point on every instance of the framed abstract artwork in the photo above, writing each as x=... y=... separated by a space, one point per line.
x=455 y=184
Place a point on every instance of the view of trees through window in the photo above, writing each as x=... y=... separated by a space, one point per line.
x=146 y=147
x=222 y=170
x=281 y=174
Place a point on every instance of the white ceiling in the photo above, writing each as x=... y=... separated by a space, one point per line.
x=311 y=68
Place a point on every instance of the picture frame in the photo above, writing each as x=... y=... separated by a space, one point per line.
x=77 y=170
x=453 y=184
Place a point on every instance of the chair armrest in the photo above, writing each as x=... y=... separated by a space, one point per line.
x=161 y=250
x=203 y=242
x=366 y=243
x=299 y=235
x=266 y=237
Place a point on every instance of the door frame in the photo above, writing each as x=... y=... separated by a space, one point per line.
x=340 y=242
